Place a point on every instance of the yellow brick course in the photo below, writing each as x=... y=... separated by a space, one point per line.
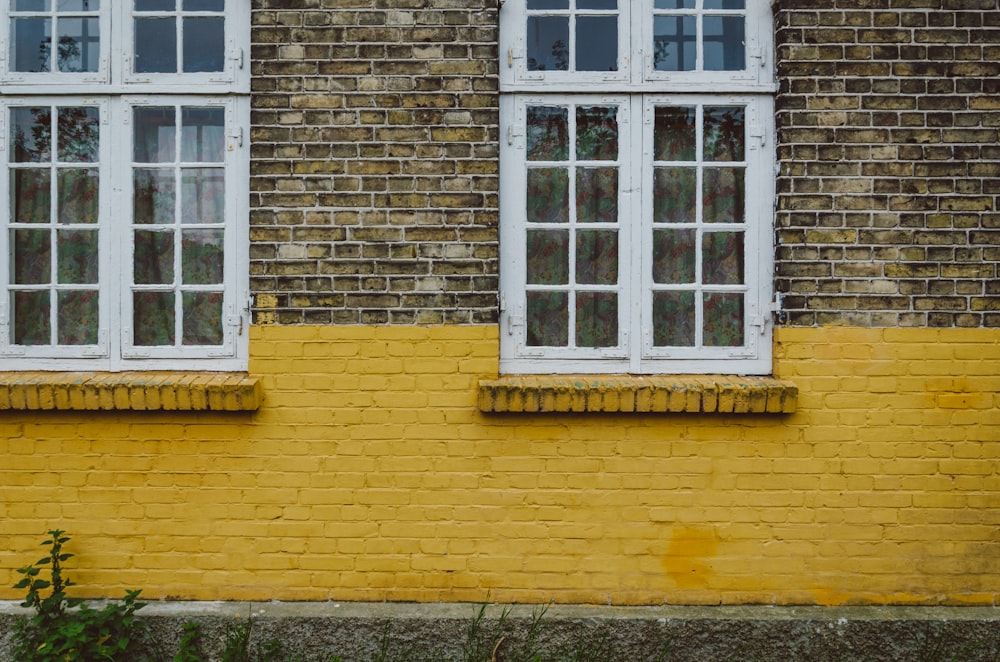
x=368 y=472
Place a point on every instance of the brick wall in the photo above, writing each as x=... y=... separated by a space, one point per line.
x=374 y=161
x=889 y=162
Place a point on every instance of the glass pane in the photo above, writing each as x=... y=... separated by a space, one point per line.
x=202 y=318
x=31 y=134
x=548 y=257
x=202 y=256
x=548 y=4
x=725 y=4
x=548 y=195
x=30 y=44
x=673 y=319
x=153 y=318
x=31 y=5
x=674 y=137
x=724 y=43
x=723 y=195
x=204 y=44
x=548 y=133
x=204 y=5
x=203 y=195
x=78 y=195
x=596 y=319
x=724 y=133
x=77 y=251
x=675 y=195
x=203 y=135
x=32 y=325
x=32 y=195
x=674 y=4
x=78 y=5
x=154 y=258
x=155 y=5
x=597 y=4
x=597 y=257
x=79 y=320
x=597 y=195
x=674 y=256
x=547 y=319
x=79 y=134
x=674 y=43
x=155 y=135
x=597 y=43
x=79 y=42
x=155 y=45
x=722 y=258
x=548 y=43
x=153 y=195
x=723 y=319
x=32 y=257
x=597 y=133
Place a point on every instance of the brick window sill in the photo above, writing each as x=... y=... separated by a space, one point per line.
x=707 y=394
x=135 y=391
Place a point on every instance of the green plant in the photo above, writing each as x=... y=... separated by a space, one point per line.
x=65 y=628
x=190 y=646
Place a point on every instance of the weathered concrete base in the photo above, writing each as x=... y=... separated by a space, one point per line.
x=416 y=632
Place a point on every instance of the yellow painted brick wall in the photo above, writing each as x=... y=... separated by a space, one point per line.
x=369 y=474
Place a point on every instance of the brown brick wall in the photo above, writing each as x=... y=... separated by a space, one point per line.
x=889 y=185
x=373 y=176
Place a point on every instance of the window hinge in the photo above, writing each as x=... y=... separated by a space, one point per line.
x=514 y=319
x=235 y=138
x=236 y=55
x=756 y=131
x=513 y=132
x=780 y=316
x=514 y=54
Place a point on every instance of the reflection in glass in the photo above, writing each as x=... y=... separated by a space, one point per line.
x=155 y=45
x=31 y=134
x=548 y=195
x=79 y=42
x=722 y=258
x=153 y=195
x=31 y=5
x=673 y=319
x=674 y=43
x=78 y=317
x=202 y=318
x=32 y=251
x=597 y=195
x=32 y=195
x=548 y=257
x=724 y=43
x=547 y=319
x=674 y=256
x=674 y=4
x=154 y=258
x=203 y=134
x=597 y=133
x=725 y=4
x=674 y=136
x=596 y=319
x=202 y=257
x=155 y=5
x=204 y=44
x=32 y=325
x=203 y=196
x=548 y=43
x=78 y=134
x=77 y=256
x=724 y=133
x=548 y=133
x=675 y=195
x=78 y=5
x=155 y=134
x=597 y=257
x=30 y=43
x=723 y=195
x=597 y=43
x=153 y=318
x=78 y=195
x=723 y=319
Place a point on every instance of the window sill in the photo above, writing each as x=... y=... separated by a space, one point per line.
x=708 y=394
x=136 y=391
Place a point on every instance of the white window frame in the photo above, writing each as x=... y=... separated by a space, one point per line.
x=639 y=88
x=116 y=91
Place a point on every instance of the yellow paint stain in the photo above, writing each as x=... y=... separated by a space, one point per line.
x=688 y=552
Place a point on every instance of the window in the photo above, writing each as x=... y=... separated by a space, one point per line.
x=636 y=186
x=125 y=185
